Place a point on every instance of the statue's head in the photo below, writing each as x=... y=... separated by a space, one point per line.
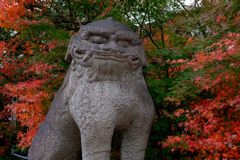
x=107 y=44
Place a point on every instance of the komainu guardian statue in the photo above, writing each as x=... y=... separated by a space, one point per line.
x=104 y=91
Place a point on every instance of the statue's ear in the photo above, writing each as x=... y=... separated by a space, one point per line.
x=143 y=55
x=68 y=57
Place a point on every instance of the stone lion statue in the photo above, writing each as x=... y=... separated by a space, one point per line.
x=104 y=91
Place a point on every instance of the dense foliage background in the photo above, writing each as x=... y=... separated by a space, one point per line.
x=193 y=75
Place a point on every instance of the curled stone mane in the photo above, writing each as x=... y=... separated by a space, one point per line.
x=107 y=26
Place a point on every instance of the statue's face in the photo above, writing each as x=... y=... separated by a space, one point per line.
x=106 y=51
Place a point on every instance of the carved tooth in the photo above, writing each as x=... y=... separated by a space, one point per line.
x=129 y=60
x=86 y=58
x=73 y=65
x=80 y=70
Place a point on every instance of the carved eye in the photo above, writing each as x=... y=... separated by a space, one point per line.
x=135 y=41
x=99 y=40
x=84 y=34
x=123 y=44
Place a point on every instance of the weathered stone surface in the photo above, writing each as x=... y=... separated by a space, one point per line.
x=103 y=92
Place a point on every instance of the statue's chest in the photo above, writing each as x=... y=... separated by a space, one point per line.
x=109 y=99
x=113 y=93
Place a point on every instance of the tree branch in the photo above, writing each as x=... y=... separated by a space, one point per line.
x=192 y=17
x=162 y=35
x=72 y=20
x=149 y=35
x=6 y=77
x=61 y=9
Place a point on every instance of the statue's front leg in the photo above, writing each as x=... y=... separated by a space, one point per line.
x=134 y=140
x=96 y=140
x=96 y=124
x=53 y=143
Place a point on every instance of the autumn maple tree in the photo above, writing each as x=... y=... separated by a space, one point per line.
x=34 y=40
x=200 y=104
x=193 y=76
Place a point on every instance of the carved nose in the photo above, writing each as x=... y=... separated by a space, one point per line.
x=112 y=47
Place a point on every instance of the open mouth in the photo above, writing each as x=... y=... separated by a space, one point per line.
x=110 y=56
x=85 y=55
